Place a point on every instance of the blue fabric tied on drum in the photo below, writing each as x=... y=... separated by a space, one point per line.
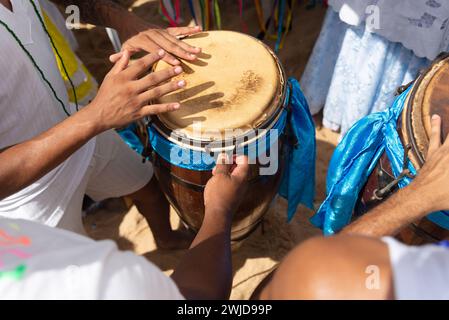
x=355 y=159
x=298 y=183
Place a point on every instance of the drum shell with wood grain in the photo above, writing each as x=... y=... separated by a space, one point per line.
x=428 y=96
x=241 y=98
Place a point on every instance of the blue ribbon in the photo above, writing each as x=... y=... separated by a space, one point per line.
x=298 y=182
x=355 y=159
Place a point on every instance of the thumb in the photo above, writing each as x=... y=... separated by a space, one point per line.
x=122 y=63
x=435 y=137
x=115 y=57
x=224 y=165
x=241 y=171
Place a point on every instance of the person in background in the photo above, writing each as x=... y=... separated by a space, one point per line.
x=364 y=261
x=34 y=99
x=366 y=50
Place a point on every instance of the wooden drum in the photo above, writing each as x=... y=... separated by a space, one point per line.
x=429 y=96
x=235 y=94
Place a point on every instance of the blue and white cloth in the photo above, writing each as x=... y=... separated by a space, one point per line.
x=353 y=72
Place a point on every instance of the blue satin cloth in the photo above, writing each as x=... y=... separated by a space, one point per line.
x=201 y=161
x=298 y=181
x=355 y=159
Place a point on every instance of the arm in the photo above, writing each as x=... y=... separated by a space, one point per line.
x=205 y=272
x=104 y=13
x=122 y=99
x=426 y=194
x=138 y=33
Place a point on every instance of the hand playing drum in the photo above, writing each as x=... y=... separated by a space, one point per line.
x=124 y=95
x=235 y=99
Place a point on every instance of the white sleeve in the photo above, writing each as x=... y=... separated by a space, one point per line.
x=419 y=273
x=130 y=277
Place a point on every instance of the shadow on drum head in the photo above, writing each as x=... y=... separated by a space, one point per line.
x=199 y=35
x=190 y=92
x=198 y=62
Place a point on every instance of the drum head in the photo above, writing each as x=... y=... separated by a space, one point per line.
x=235 y=84
x=430 y=96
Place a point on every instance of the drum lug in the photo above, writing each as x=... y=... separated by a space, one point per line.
x=403 y=88
x=382 y=193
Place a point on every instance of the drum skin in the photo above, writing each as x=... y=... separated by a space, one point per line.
x=429 y=96
x=185 y=191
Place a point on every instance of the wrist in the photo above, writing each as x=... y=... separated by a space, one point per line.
x=215 y=213
x=91 y=120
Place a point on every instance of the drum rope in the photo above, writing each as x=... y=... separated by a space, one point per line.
x=36 y=66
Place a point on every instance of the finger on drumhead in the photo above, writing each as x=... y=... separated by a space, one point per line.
x=183 y=45
x=161 y=90
x=435 y=136
x=224 y=164
x=144 y=64
x=241 y=171
x=156 y=78
x=184 y=31
x=158 y=109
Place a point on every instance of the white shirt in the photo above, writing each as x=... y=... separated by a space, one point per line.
x=419 y=273
x=420 y=25
x=38 y=262
x=28 y=108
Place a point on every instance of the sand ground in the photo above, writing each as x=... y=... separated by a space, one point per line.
x=255 y=257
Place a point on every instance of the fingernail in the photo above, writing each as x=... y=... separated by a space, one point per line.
x=192 y=55
x=178 y=70
x=223 y=158
x=161 y=53
x=176 y=106
x=435 y=117
x=181 y=83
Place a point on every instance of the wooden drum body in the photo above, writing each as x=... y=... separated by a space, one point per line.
x=237 y=85
x=429 y=96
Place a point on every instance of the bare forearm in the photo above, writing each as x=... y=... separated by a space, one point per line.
x=104 y=13
x=27 y=162
x=389 y=218
x=205 y=272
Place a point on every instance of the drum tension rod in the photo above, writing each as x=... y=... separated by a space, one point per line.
x=380 y=194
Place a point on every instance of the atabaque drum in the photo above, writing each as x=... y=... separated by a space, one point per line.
x=428 y=96
x=234 y=102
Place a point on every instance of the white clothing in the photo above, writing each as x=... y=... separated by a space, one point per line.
x=419 y=25
x=38 y=262
x=419 y=273
x=29 y=108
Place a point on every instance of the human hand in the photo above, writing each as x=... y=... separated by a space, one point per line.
x=226 y=188
x=141 y=36
x=431 y=184
x=126 y=91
